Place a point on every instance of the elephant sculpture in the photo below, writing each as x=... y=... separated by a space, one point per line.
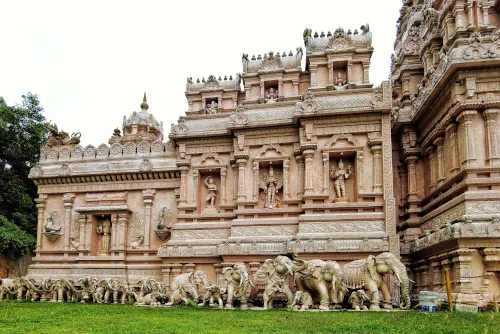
x=302 y=301
x=195 y=279
x=7 y=288
x=369 y=274
x=182 y=294
x=323 y=279
x=212 y=296
x=357 y=299
x=236 y=280
x=275 y=273
x=269 y=294
x=62 y=288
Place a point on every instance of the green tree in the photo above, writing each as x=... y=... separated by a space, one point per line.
x=22 y=133
x=13 y=241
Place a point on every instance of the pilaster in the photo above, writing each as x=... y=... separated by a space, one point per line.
x=41 y=201
x=148 y=197
x=68 y=200
x=467 y=153
x=492 y=153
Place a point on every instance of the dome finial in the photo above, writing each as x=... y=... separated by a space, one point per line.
x=144 y=104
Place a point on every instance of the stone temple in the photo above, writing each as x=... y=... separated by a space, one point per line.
x=312 y=160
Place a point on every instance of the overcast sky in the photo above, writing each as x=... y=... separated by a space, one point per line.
x=91 y=61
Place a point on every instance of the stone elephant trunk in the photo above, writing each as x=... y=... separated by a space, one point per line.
x=404 y=281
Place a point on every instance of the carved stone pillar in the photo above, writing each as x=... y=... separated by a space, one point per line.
x=114 y=231
x=286 y=191
x=280 y=87
x=377 y=168
x=349 y=72
x=466 y=134
x=189 y=267
x=359 y=168
x=295 y=87
x=425 y=276
x=484 y=18
x=262 y=89
x=330 y=74
x=241 y=179
x=446 y=264
x=366 y=72
x=459 y=15
x=68 y=199
x=82 y=220
x=300 y=178
x=436 y=273
x=453 y=147
x=312 y=70
x=40 y=206
x=412 y=178
x=183 y=191
x=462 y=264
x=165 y=271
x=148 y=197
x=308 y=154
x=176 y=270
x=195 y=188
x=440 y=173
x=255 y=193
x=122 y=232
x=234 y=166
x=492 y=142
x=403 y=176
x=326 y=173
x=431 y=152
x=248 y=92
x=223 y=172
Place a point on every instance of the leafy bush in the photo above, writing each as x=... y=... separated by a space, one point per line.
x=14 y=242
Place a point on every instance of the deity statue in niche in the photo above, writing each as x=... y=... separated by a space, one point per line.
x=339 y=175
x=212 y=108
x=270 y=184
x=104 y=229
x=50 y=226
x=271 y=95
x=212 y=192
x=340 y=82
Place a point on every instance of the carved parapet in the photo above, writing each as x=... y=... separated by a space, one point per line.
x=340 y=41
x=272 y=62
x=212 y=83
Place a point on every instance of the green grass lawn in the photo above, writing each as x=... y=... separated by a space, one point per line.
x=24 y=317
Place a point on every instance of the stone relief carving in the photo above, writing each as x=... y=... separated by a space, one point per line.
x=339 y=175
x=75 y=232
x=143 y=147
x=145 y=165
x=308 y=105
x=65 y=170
x=164 y=223
x=104 y=230
x=211 y=193
x=483 y=208
x=103 y=150
x=239 y=118
x=52 y=227
x=181 y=127
x=137 y=230
x=212 y=155
x=270 y=184
x=212 y=108
x=338 y=227
x=35 y=172
x=129 y=148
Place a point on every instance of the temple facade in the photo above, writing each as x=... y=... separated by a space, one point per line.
x=313 y=161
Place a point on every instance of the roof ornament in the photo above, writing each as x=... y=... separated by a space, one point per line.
x=144 y=104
